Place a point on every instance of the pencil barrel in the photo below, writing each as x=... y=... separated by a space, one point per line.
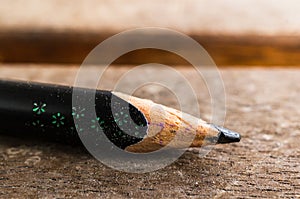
x=46 y=112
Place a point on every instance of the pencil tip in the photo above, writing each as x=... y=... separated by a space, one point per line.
x=227 y=136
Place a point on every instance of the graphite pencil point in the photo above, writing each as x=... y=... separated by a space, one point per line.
x=227 y=136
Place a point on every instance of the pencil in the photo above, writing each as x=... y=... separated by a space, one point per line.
x=45 y=111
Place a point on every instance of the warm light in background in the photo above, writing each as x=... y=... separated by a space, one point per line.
x=200 y=16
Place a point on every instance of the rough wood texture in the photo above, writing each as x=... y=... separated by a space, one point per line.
x=263 y=105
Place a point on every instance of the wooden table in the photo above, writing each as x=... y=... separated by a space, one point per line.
x=262 y=104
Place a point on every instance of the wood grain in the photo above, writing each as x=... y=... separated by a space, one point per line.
x=71 y=47
x=262 y=104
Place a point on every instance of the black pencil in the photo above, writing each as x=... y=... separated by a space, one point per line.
x=46 y=111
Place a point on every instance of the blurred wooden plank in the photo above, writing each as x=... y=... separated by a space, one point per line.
x=72 y=47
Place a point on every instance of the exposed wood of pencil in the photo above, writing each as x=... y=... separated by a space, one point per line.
x=165 y=123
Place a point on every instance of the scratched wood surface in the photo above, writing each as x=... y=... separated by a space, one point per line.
x=262 y=104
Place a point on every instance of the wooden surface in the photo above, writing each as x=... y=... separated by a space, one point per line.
x=262 y=104
x=48 y=46
x=250 y=32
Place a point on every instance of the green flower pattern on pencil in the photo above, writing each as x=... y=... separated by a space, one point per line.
x=78 y=129
x=121 y=118
x=39 y=108
x=38 y=123
x=77 y=112
x=137 y=132
x=58 y=119
x=96 y=123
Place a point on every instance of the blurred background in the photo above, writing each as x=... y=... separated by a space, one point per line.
x=235 y=33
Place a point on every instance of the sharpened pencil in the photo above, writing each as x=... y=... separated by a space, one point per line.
x=46 y=111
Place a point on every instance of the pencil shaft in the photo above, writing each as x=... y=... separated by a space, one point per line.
x=46 y=111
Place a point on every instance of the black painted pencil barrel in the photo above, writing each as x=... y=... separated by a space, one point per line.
x=45 y=111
